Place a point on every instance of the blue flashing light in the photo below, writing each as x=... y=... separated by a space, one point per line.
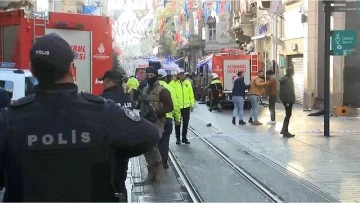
x=7 y=65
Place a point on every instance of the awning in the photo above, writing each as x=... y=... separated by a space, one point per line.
x=257 y=37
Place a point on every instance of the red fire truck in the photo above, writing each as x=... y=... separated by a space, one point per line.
x=89 y=36
x=226 y=65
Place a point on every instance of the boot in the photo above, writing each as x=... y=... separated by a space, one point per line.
x=241 y=122
x=150 y=176
x=287 y=134
x=178 y=140
x=185 y=141
x=159 y=171
x=165 y=164
x=233 y=121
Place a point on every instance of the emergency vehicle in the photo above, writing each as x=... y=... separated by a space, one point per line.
x=18 y=83
x=226 y=65
x=89 y=36
x=141 y=65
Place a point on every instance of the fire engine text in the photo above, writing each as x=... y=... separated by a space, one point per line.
x=235 y=68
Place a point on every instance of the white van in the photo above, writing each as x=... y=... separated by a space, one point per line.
x=18 y=83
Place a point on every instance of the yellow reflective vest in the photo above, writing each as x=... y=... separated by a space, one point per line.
x=176 y=112
x=133 y=83
x=184 y=93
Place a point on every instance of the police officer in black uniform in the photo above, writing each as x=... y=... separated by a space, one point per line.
x=112 y=82
x=56 y=145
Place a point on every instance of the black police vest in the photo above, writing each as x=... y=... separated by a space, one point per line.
x=119 y=97
x=58 y=150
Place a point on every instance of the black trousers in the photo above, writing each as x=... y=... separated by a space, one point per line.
x=165 y=140
x=272 y=102
x=288 y=113
x=214 y=102
x=119 y=174
x=136 y=95
x=185 y=115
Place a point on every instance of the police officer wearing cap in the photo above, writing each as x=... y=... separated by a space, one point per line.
x=113 y=89
x=56 y=145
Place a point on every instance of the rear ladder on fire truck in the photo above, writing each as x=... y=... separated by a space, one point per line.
x=254 y=64
x=40 y=20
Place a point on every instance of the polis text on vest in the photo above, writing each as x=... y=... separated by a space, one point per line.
x=59 y=138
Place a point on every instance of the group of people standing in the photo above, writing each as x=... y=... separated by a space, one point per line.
x=63 y=145
x=257 y=88
x=163 y=99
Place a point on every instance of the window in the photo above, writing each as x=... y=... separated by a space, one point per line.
x=211 y=23
x=8 y=86
x=30 y=83
x=212 y=32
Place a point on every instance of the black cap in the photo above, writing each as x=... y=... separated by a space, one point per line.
x=112 y=74
x=54 y=49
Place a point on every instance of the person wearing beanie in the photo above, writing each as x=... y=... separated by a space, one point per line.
x=155 y=102
x=174 y=115
x=287 y=97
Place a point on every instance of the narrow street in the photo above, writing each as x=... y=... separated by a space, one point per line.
x=306 y=168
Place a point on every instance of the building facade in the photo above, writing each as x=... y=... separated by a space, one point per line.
x=218 y=19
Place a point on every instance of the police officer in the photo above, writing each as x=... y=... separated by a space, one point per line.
x=133 y=83
x=56 y=145
x=168 y=127
x=185 y=96
x=112 y=82
x=156 y=97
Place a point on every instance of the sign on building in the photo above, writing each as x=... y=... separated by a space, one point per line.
x=343 y=42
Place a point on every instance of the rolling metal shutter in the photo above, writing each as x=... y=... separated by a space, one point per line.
x=297 y=62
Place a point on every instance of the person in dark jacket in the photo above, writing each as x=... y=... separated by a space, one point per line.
x=238 y=96
x=113 y=89
x=56 y=144
x=287 y=97
x=143 y=84
x=216 y=90
x=4 y=98
x=156 y=97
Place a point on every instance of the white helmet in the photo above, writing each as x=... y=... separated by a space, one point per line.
x=162 y=73
x=214 y=75
x=180 y=70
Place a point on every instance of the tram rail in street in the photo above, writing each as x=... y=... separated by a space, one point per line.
x=191 y=188
x=193 y=193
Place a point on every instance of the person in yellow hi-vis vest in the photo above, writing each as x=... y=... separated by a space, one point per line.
x=216 y=90
x=185 y=95
x=133 y=84
x=175 y=114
